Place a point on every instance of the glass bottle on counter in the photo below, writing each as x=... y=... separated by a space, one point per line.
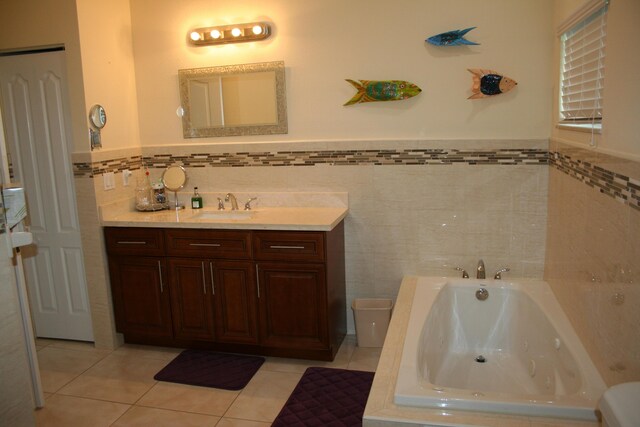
x=196 y=200
x=143 y=194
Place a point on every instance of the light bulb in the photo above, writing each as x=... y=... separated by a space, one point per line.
x=236 y=32
x=195 y=36
x=257 y=30
x=216 y=34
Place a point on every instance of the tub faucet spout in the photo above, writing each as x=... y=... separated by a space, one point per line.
x=480 y=271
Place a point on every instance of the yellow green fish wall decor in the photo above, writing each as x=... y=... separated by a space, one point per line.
x=489 y=83
x=382 y=90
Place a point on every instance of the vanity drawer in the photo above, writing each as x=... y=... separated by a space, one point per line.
x=209 y=243
x=288 y=245
x=134 y=241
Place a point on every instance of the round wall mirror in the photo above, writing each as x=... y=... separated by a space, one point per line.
x=97 y=116
x=174 y=178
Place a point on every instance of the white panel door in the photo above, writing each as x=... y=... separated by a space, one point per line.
x=36 y=118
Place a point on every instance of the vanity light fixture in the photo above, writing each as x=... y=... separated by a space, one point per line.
x=252 y=31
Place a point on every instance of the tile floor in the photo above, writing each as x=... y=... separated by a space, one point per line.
x=88 y=387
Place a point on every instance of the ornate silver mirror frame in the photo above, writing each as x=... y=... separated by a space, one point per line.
x=207 y=86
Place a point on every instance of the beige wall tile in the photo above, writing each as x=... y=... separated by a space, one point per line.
x=592 y=263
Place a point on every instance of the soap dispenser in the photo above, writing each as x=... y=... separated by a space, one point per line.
x=196 y=200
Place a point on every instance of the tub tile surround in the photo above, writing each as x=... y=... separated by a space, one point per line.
x=593 y=254
x=404 y=218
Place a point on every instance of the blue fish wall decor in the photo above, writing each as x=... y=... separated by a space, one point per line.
x=382 y=90
x=489 y=83
x=452 y=38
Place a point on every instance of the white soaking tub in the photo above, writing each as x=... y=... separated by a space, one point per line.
x=512 y=353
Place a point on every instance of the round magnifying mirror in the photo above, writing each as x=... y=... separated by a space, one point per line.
x=97 y=116
x=174 y=178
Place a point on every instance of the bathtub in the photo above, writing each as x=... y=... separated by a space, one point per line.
x=513 y=353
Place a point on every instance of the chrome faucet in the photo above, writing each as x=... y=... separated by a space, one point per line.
x=234 y=203
x=498 y=274
x=480 y=271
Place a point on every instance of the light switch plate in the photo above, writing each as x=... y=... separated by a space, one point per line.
x=109 y=180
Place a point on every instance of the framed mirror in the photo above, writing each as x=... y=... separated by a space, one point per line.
x=232 y=100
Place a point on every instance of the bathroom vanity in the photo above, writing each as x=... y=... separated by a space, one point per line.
x=272 y=284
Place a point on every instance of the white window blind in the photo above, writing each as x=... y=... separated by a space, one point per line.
x=582 y=68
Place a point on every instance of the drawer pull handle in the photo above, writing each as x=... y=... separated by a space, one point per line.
x=124 y=242
x=215 y=245
x=285 y=247
x=160 y=273
x=204 y=281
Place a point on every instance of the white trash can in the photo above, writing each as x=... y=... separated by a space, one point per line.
x=372 y=316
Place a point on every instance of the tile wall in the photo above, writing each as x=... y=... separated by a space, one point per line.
x=415 y=207
x=593 y=254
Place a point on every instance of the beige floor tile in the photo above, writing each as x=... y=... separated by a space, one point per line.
x=232 y=422
x=116 y=378
x=79 y=346
x=161 y=353
x=66 y=411
x=139 y=416
x=181 y=397
x=279 y=364
x=59 y=366
x=365 y=359
x=264 y=396
x=44 y=341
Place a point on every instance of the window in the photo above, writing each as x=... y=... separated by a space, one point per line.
x=582 y=44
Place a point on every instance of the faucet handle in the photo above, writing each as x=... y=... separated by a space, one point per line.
x=247 y=205
x=220 y=204
x=465 y=275
x=498 y=274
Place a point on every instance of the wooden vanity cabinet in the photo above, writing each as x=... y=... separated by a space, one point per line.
x=279 y=293
x=301 y=286
x=139 y=288
x=191 y=299
x=216 y=295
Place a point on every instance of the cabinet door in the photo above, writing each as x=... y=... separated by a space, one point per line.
x=140 y=296
x=293 y=305
x=191 y=299
x=236 y=311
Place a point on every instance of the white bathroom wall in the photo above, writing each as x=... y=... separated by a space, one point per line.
x=325 y=42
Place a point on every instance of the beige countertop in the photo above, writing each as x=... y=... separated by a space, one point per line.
x=275 y=218
x=275 y=211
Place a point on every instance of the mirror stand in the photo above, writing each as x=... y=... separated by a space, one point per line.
x=177 y=205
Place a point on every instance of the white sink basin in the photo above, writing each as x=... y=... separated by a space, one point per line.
x=222 y=215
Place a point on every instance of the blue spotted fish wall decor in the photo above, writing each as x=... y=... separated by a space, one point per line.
x=452 y=38
x=488 y=83
x=382 y=90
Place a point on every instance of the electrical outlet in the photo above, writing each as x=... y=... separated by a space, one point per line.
x=109 y=180
x=126 y=174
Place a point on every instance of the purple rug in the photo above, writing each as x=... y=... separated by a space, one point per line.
x=211 y=369
x=327 y=397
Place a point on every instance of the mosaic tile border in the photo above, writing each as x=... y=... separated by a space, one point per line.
x=620 y=187
x=83 y=169
x=327 y=157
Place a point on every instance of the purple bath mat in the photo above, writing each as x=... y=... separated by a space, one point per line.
x=211 y=369
x=327 y=397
